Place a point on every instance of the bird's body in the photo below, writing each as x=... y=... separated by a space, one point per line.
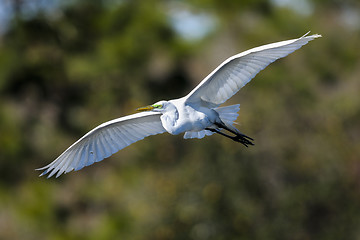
x=197 y=114
x=183 y=117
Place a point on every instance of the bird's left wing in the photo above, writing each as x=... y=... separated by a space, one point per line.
x=105 y=140
x=238 y=70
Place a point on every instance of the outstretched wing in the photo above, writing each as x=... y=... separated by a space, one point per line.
x=105 y=140
x=238 y=70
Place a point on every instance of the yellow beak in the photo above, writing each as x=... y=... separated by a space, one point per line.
x=144 y=109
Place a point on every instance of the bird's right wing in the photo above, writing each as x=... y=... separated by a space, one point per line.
x=105 y=140
x=238 y=70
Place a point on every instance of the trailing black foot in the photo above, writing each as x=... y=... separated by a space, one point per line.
x=238 y=137
x=243 y=139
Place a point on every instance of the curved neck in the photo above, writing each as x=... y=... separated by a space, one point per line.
x=169 y=119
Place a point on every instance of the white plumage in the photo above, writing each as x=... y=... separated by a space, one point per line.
x=198 y=114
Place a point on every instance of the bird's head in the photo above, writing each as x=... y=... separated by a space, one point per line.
x=160 y=106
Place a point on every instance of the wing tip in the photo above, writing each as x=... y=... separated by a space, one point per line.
x=41 y=174
x=50 y=171
x=311 y=36
x=44 y=172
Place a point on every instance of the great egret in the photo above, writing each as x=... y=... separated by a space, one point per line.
x=197 y=114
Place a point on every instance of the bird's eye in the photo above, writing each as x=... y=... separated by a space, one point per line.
x=157 y=106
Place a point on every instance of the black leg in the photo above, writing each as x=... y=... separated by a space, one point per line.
x=239 y=137
x=222 y=125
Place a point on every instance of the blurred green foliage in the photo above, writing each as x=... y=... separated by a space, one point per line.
x=65 y=70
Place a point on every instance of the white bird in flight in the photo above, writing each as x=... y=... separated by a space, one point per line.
x=197 y=114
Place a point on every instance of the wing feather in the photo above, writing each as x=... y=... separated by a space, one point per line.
x=235 y=72
x=105 y=140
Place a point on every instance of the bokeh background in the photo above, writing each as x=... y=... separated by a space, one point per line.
x=67 y=66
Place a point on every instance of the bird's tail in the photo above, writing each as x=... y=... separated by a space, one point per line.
x=228 y=115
